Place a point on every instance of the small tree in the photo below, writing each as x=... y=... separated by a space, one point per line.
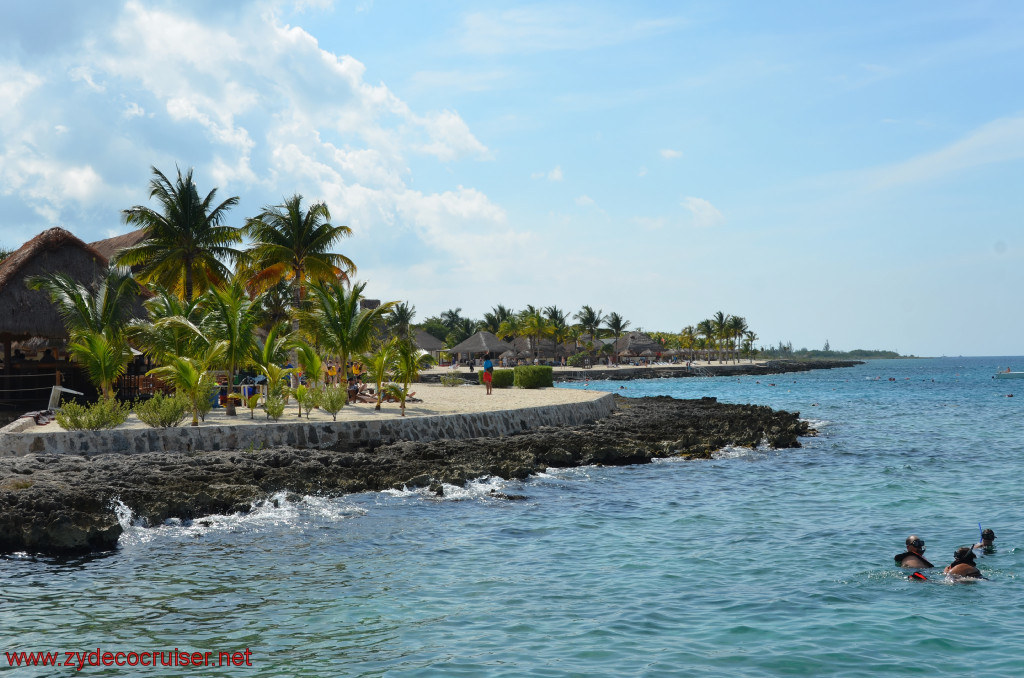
x=379 y=366
x=408 y=363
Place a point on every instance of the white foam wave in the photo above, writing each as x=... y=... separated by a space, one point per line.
x=281 y=509
x=816 y=423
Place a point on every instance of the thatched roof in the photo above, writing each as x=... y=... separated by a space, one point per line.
x=27 y=313
x=428 y=342
x=481 y=342
x=637 y=343
x=111 y=246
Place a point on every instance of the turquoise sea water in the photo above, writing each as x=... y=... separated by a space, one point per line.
x=755 y=563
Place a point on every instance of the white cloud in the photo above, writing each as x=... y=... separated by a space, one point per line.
x=555 y=174
x=670 y=154
x=705 y=215
x=253 y=104
x=584 y=201
x=642 y=172
x=998 y=141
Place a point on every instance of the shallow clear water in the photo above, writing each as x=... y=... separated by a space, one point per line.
x=754 y=563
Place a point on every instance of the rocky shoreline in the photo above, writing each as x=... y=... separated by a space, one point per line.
x=64 y=504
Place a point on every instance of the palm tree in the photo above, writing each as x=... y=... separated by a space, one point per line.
x=688 y=339
x=379 y=365
x=104 y=358
x=186 y=242
x=336 y=323
x=451 y=318
x=275 y=305
x=192 y=377
x=292 y=244
x=172 y=328
x=408 y=363
x=105 y=306
x=510 y=328
x=95 y=317
x=749 y=337
x=492 y=320
x=463 y=329
x=536 y=326
x=737 y=327
x=400 y=319
x=720 y=322
x=590 y=320
x=616 y=325
x=231 y=316
x=706 y=328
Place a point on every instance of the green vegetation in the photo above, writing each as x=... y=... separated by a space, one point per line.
x=162 y=411
x=274 y=407
x=102 y=414
x=533 y=376
x=333 y=400
x=500 y=378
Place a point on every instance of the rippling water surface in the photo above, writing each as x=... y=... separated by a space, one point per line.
x=755 y=563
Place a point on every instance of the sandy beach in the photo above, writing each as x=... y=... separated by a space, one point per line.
x=436 y=399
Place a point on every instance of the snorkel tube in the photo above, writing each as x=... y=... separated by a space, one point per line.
x=981 y=533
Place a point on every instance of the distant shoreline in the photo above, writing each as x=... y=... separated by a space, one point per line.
x=703 y=369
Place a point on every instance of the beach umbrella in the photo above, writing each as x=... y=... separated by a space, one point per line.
x=627 y=354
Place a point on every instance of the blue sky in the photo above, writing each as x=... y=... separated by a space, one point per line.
x=849 y=172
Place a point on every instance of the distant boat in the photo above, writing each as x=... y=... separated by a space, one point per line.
x=1009 y=375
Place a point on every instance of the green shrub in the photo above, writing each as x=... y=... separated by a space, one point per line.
x=105 y=413
x=308 y=398
x=534 y=376
x=275 y=407
x=500 y=378
x=162 y=411
x=452 y=379
x=333 y=399
x=578 y=360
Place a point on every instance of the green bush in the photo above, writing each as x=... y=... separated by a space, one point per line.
x=334 y=398
x=533 y=376
x=162 y=411
x=578 y=360
x=275 y=407
x=105 y=413
x=500 y=378
x=451 y=379
x=308 y=398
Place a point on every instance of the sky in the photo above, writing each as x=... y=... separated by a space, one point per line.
x=842 y=172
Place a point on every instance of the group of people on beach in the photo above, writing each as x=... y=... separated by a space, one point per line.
x=964 y=564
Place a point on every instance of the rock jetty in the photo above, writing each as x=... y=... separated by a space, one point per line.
x=64 y=504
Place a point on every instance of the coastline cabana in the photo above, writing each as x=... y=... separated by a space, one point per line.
x=481 y=342
x=27 y=313
x=425 y=341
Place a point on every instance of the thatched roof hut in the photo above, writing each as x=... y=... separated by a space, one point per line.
x=28 y=313
x=111 y=246
x=425 y=341
x=481 y=342
x=637 y=343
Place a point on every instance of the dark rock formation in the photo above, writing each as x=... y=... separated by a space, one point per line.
x=62 y=504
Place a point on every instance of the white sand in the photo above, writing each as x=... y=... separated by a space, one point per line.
x=437 y=399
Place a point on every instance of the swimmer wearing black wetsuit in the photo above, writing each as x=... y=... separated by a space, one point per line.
x=913 y=557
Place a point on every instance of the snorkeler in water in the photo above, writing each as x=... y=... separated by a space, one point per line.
x=913 y=557
x=963 y=564
x=987 y=536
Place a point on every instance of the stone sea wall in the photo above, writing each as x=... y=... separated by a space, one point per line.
x=314 y=435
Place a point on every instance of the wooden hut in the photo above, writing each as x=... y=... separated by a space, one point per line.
x=26 y=313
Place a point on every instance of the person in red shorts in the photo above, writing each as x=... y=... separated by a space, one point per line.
x=488 y=372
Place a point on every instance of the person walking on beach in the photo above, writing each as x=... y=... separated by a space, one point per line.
x=913 y=557
x=488 y=372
